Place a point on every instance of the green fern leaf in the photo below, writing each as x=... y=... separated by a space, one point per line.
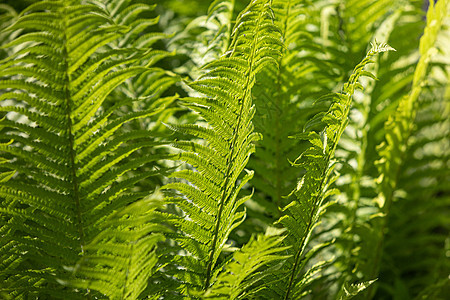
x=301 y=215
x=73 y=163
x=210 y=201
x=121 y=258
x=283 y=98
x=245 y=270
x=205 y=38
x=352 y=290
x=399 y=126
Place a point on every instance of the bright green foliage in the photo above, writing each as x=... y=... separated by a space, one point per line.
x=205 y=38
x=240 y=274
x=7 y=16
x=68 y=150
x=352 y=27
x=211 y=203
x=122 y=257
x=301 y=215
x=349 y=291
x=279 y=91
x=367 y=220
x=425 y=176
x=399 y=125
x=253 y=120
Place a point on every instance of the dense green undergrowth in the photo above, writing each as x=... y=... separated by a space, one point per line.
x=226 y=149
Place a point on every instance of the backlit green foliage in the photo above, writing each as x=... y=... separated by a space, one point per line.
x=224 y=149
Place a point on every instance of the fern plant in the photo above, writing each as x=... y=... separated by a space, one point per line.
x=399 y=126
x=163 y=150
x=64 y=146
x=210 y=203
x=301 y=215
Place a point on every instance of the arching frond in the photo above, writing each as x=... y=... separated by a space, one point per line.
x=283 y=99
x=422 y=191
x=355 y=210
x=210 y=198
x=90 y=92
x=67 y=149
x=399 y=125
x=301 y=215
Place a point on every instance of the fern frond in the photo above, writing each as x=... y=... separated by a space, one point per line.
x=283 y=99
x=7 y=17
x=244 y=271
x=121 y=258
x=347 y=27
x=301 y=215
x=421 y=191
x=210 y=200
x=349 y=291
x=275 y=109
x=89 y=94
x=150 y=85
x=8 y=262
x=357 y=23
x=400 y=125
x=352 y=217
x=205 y=38
x=70 y=157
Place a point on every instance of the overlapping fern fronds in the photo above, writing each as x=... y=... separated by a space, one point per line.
x=205 y=38
x=152 y=83
x=65 y=149
x=7 y=16
x=347 y=27
x=87 y=86
x=423 y=191
x=355 y=210
x=121 y=258
x=210 y=200
x=360 y=216
x=400 y=125
x=284 y=97
x=301 y=215
x=246 y=269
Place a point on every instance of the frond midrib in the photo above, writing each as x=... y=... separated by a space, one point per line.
x=71 y=136
x=230 y=157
